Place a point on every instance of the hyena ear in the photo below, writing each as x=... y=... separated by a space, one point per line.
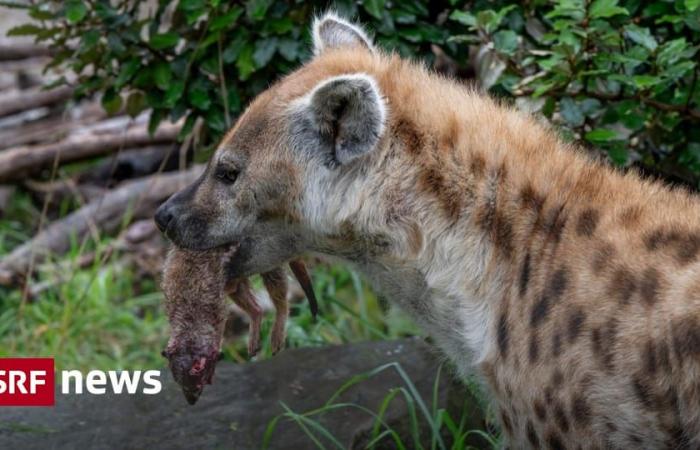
x=343 y=118
x=330 y=31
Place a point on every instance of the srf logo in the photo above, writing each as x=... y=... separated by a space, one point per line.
x=27 y=382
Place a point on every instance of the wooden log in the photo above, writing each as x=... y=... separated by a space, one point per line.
x=51 y=129
x=17 y=163
x=134 y=200
x=55 y=193
x=17 y=101
x=131 y=163
x=11 y=51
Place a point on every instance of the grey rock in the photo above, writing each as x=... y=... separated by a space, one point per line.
x=235 y=411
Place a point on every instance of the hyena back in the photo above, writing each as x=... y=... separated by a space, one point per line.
x=572 y=288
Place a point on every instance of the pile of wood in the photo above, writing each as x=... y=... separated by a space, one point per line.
x=111 y=172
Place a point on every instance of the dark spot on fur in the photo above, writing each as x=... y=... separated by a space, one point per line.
x=580 y=410
x=554 y=442
x=650 y=286
x=587 y=222
x=610 y=426
x=636 y=440
x=505 y=420
x=685 y=244
x=630 y=216
x=642 y=392
x=688 y=251
x=602 y=258
x=534 y=348
x=557 y=378
x=539 y=311
x=555 y=222
x=502 y=333
x=531 y=199
x=549 y=395
x=655 y=240
x=491 y=219
x=623 y=285
x=540 y=410
x=554 y=289
x=532 y=435
x=686 y=338
x=576 y=319
x=478 y=166
x=503 y=235
x=678 y=439
x=556 y=343
x=560 y=417
x=663 y=356
x=524 y=276
x=413 y=141
x=649 y=356
x=603 y=342
x=433 y=181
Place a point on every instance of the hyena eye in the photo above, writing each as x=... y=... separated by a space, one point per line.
x=226 y=175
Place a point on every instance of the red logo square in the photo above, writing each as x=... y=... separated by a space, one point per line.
x=27 y=382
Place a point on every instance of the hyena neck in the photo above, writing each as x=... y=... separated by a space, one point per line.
x=447 y=247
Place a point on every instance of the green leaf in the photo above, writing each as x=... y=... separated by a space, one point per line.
x=692 y=5
x=618 y=154
x=198 y=96
x=506 y=41
x=245 y=63
x=127 y=71
x=256 y=9
x=135 y=103
x=571 y=112
x=600 y=135
x=75 y=11
x=605 y=8
x=174 y=93
x=89 y=40
x=641 y=36
x=114 y=42
x=374 y=7
x=41 y=12
x=679 y=70
x=156 y=118
x=489 y=20
x=290 y=49
x=24 y=30
x=264 y=50
x=111 y=101
x=645 y=81
x=226 y=20
x=464 y=18
x=191 y=5
x=162 y=75
x=164 y=40
x=671 y=51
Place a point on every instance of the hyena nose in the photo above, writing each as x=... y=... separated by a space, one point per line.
x=163 y=217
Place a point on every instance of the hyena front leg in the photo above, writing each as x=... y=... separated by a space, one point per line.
x=242 y=295
x=275 y=282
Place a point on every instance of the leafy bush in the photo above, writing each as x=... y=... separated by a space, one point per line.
x=621 y=76
x=618 y=75
x=202 y=58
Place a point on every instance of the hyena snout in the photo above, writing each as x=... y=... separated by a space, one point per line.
x=164 y=217
x=183 y=223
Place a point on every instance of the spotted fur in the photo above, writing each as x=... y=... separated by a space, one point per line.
x=571 y=287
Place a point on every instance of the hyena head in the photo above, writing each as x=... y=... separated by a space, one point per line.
x=278 y=180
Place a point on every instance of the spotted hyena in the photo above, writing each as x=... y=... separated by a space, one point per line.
x=572 y=288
